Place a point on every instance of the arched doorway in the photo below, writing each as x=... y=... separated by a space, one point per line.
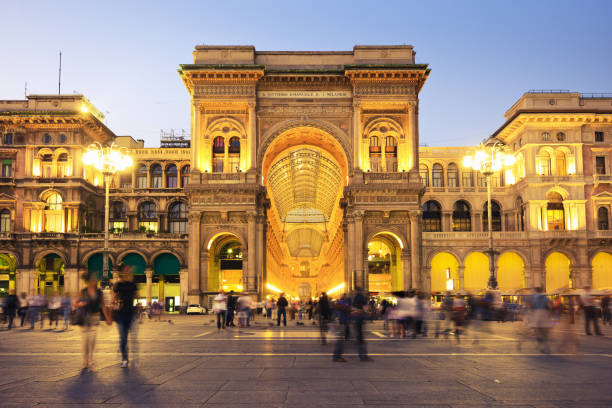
x=557 y=272
x=225 y=268
x=384 y=264
x=510 y=272
x=166 y=275
x=95 y=265
x=477 y=273
x=139 y=265
x=8 y=268
x=602 y=271
x=444 y=273
x=50 y=274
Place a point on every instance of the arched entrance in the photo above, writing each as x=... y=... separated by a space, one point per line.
x=166 y=274
x=602 y=271
x=50 y=274
x=444 y=272
x=8 y=268
x=225 y=268
x=304 y=170
x=139 y=265
x=384 y=264
x=477 y=272
x=95 y=265
x=557 y=272
x=510 y=272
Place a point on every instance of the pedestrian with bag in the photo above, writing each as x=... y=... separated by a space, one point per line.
x=124 y=293
x=89 y=308
x=281 y=307
x=11 y=303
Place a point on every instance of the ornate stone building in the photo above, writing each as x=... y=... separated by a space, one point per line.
x=303 y=175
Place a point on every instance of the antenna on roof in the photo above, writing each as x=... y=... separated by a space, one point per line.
x=25 y=90
x=59 y=81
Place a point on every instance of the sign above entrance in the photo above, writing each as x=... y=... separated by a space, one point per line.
x=304 y=94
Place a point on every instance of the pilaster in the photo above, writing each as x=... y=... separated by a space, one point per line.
x=149 y=277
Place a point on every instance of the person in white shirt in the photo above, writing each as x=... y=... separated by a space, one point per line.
x=220 y=309
x=589 y=304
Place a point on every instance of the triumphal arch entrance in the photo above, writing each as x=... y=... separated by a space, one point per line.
x=304 y=170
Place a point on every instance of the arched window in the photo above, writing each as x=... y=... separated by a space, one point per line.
x=432 y=217
x=141 y=176
x=424 y=173
x=462 y=217
x=218 y=154
x=560 y=165
x=555 y=215
x=496 y=221
x=543 y=163
x=452 y=175
x=5 y=221
x=234 y=154
x=63 y=168
x=118 y=217
x=185 y=176
x=156 y=176
x=177 y=215
x=602 y=219
x=47 y=165
x=147 y=217
x=390 y=153
x=374 y=154
x=171 y=176
x=54 y=214
x=437 y=176
x=467 y=178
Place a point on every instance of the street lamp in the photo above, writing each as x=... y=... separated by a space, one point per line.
x=108 y=160
x=488 y=159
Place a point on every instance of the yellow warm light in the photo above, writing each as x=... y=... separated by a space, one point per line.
x=467 y=161
x=109 y=159
x=84 y=109
x=510 y=177
x=336 y=289
x=36 y=171
x=240 y=287
x=273 y=288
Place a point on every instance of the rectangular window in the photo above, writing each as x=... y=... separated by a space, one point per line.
x=141 y=182
x=599 y=137
x=171 y=182
x=217 y=165
x=156 y=182
x=600 y=165
x=147 y=226
x=8 y=139
x=7 y=168
x=118 y=227
x=467 y=179
x=178 y=227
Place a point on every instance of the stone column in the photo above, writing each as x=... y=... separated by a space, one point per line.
x=195 y=135
x=415 y=248
x=359 y=245
x=461 y=272
x=251 y=161
x=71 y=281
x=149 y=276
x=414 y=134
x=184 y=286
x=22 y=279
x=446 y=221
x=350 y=251
x=194 y=257
x=357 y=142
x=252 y=251
x=406 y=268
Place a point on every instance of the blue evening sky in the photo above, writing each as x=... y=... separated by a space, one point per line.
x=123 y=55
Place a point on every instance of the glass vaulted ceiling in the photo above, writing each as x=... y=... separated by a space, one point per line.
x=305 y=184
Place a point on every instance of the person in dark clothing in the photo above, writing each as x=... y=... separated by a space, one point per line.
x=231 y=309
x=125 y=291
x=23 y=307
x=11 y=303
x=324 y=312
x=357 y=312
x=281 y=307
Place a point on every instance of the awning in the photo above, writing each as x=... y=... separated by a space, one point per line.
x=136 y=261
x=166 y=264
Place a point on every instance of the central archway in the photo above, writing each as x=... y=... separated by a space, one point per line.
x=304 y=170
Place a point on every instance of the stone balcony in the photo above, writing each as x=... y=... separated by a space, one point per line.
x=513 y=235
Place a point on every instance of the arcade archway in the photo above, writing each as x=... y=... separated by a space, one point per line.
x=557 y=272
x=8 y=268
x=50 y=274
x=602 y=271
x=444 y=272
x=225 y=263
x=384 y=264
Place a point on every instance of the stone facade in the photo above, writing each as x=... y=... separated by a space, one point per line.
x=305 y=174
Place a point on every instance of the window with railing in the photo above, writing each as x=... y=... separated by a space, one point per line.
x=452 y=175
x=555 y=214
x=462 y=217
x=437 y=175
x=391 y=153
x=467 y=178
x=496 y=219
x=432 y=217
x=47 y=165
x=7 y=168
x=184 y=176
x=171 y=176
x=602 y=219
x=218 y=154
x=600 y=165
x=141 y=176
x=54 y=214
x=424 y=173
x=147 y=217
x=156 y=176
x=63 y=167
x=543 y=164
x=5 y=221
x=177 y=216
x=374 y=154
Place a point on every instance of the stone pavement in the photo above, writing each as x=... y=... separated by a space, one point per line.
x=187 y=363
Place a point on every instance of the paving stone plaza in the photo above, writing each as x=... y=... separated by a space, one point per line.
x=188 y=363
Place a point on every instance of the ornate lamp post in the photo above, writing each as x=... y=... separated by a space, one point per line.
x=109 y=160
x=488 y=159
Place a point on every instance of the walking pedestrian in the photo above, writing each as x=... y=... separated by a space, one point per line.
x=357 y=312
x=324 y=312
x=90 y=307
x=244 y=310
x=66 y=310
x=124 y=293
x=269 y=308
x=35 y=309
x=281 y=309
x=11 y=303
x=220 y=309
x=589 y=305
x=458 y=315
x=54 y=306
x=23 y=307
x=231 y=309
x=540 y=306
